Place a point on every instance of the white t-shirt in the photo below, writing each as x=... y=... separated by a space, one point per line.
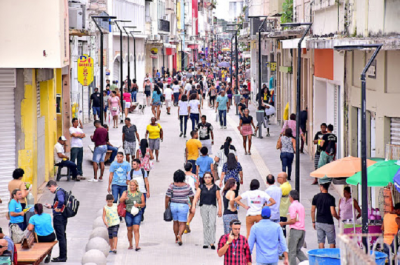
x=75 y=142
x=255 y=199
x=58 y=148
x=168 y=93
x=188 y=87
x=176 y=88
x=191 y=181
x=194 y=106
x=183 y=107
x=138 y=176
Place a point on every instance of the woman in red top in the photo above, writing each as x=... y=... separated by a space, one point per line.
x=127 y=99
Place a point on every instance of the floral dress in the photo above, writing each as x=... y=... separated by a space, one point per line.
x=145 y=161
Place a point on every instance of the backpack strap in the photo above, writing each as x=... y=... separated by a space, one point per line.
x=143 y=173
x=131 y=173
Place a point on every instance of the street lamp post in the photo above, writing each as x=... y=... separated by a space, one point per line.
x=121 y=65
x=364 y=178
x=129 y=56
x=104 y=18
x=134 y=50
x=297 y=183
x=236 y=58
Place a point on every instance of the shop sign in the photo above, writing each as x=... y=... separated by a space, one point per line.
x=154 y=51
x=85 y=70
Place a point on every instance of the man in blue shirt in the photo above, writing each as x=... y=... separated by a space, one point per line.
x=204 y=163
x=119 y=176
x=275 y=193
x=59 y=220
x=268 y=236
x=222 y=107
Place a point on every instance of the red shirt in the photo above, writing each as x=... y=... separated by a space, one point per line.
x=100 y=136
x=249 y=86
x=238 y=252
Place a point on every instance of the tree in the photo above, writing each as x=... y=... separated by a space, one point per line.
x=287 y=14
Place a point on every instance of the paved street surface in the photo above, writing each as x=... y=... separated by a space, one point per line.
x=157 y=238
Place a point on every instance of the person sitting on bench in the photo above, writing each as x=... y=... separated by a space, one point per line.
x=7 y=246
x=62 y=160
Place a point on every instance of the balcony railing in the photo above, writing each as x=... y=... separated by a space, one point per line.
x=163 y=25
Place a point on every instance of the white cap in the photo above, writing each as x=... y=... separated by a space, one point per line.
x=62 y=138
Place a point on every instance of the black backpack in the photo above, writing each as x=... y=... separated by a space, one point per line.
x=141 y=170
x=71 y=205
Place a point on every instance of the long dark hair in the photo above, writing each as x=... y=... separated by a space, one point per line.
x=157 y=89
x=228 y=185
x=231 y=162
x=143 y=146
x=226 y=145
x=289 y=133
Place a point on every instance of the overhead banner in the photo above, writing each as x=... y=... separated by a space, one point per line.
x=85 y=70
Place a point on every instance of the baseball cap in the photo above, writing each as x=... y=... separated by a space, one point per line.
x=266 y=212
x=62 y=138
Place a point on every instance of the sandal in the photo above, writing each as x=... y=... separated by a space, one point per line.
x=137 y=249
x=179 y=240
x=130 y=248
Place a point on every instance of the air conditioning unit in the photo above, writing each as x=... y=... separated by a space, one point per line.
x=157 y=37
x=76 y=18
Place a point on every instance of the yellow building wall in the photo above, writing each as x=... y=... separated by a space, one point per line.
x=58 y=84
x=27 y=157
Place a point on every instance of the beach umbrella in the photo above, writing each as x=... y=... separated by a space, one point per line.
x=379 y=174
x=341 y=168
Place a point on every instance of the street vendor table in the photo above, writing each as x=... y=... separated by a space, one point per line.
x=34 y=255
x=372 y=229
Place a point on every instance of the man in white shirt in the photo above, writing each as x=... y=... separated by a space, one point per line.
x=60 y=159
x=275 y=193
x=188 y=87
x=168 y=98
x=77 y=135
x=255 y=202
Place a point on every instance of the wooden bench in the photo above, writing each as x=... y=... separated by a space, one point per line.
x=108 y=154
x=36 y=254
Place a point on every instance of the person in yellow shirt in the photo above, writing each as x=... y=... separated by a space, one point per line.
x=192 y=150
x=285 y=202
x=155 y=133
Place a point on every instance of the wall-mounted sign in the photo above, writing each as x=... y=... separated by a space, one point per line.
x=272 y=65
x=85 y=70
x=154 y=51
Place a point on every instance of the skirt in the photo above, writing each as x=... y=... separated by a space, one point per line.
x=247 y=130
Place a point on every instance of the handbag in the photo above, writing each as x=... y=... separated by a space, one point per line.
x=17 y=235
x=168 y=212
x=121 y=209
x=279 y=143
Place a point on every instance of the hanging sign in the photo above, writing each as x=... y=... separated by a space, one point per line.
x=85 y=70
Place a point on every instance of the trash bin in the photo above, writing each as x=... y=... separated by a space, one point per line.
x=260 y=116
x=237 y=99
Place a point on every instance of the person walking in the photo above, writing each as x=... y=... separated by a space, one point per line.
x=111 y=220
x=60 y=159
x=148 y=88
x=127 y=97
x=100 y=139
x=213 y=95
x=168 y=99
x=140 y=175
x=204 y=164
x=129 y=136
x=241 y=107
x=222 y=156
x=94 y=103
x=119 y=177
x=276 y=193
x=206 y=134
x=115 y=107
x=176 y=89
x=223 y=108
x=234 y=247
x=317 y=141
x=77 y=135
x=59 y=220
x=232 y=169
x=134 y=201
x=325 y=205
x=156 y=102
x=328 y=151
x=287 y=145
x=269 y=239
x=230 y=209
x=183 y=112
x=291 y=123
x=135 y=90
x=145 y=155
x=155 y=133
x=255 y=201
x=209 y=196
x=245 y=124
x=192 y=150
x=285 y=202
x=193 y=181
x=179 y=195
x=297 y=228
x=194 y=110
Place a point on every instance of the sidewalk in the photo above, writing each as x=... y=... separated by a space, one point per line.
x=157 y=238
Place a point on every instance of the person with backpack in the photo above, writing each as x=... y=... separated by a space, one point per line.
x=328 y=151
x=140 y=175
x=119 y=176
x=59 y=219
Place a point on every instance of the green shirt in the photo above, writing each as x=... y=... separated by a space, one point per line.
x=113 y=87
x=133 y=197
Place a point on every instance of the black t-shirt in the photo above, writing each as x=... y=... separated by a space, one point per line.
x=330 y=143
x=193 y=91
x=208 y=196
x=242 y=105
x=318 y=136
x=323 y=203
x=135 y=88
x=204 y=130
x=246 y=120
x=96 y=99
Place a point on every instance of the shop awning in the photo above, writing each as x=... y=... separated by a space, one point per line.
x=193 y=46
x=292 y=43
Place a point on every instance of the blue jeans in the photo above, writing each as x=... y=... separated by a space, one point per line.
x=117 y=190
x=287 y=160
x=183 y=119
x=271 y=263
x=134 y=93
x=193 y=162
x=71 y=165
x=77 y=154
x=114 y=152
x=176 y=97
x=194 y=117
x=96 y=110
x=179 y=211
x=99 y=154
x=222 y=117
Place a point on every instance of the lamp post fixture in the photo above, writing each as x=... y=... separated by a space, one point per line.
x=129 y=56
x=134 y=49
x=121 y=66
x=104 y=18
x=237 y=57
x=364 y=177
x=297 y=183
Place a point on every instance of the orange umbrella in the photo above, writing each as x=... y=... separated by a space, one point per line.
x=345 y=167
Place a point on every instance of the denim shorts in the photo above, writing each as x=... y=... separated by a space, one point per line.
x=325 y=230
x=96 y=110
x=133 y=220
x=157 y=103
x=99 y=153
x=179 y=211
x=113 y=231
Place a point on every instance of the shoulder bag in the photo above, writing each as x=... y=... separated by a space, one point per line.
x=279 y=143
x=121 y=209
x=168 y=212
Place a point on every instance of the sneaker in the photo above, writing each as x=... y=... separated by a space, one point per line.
x=184 y=136
x=93 y=180
x=181 y=135
x=222 y=127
